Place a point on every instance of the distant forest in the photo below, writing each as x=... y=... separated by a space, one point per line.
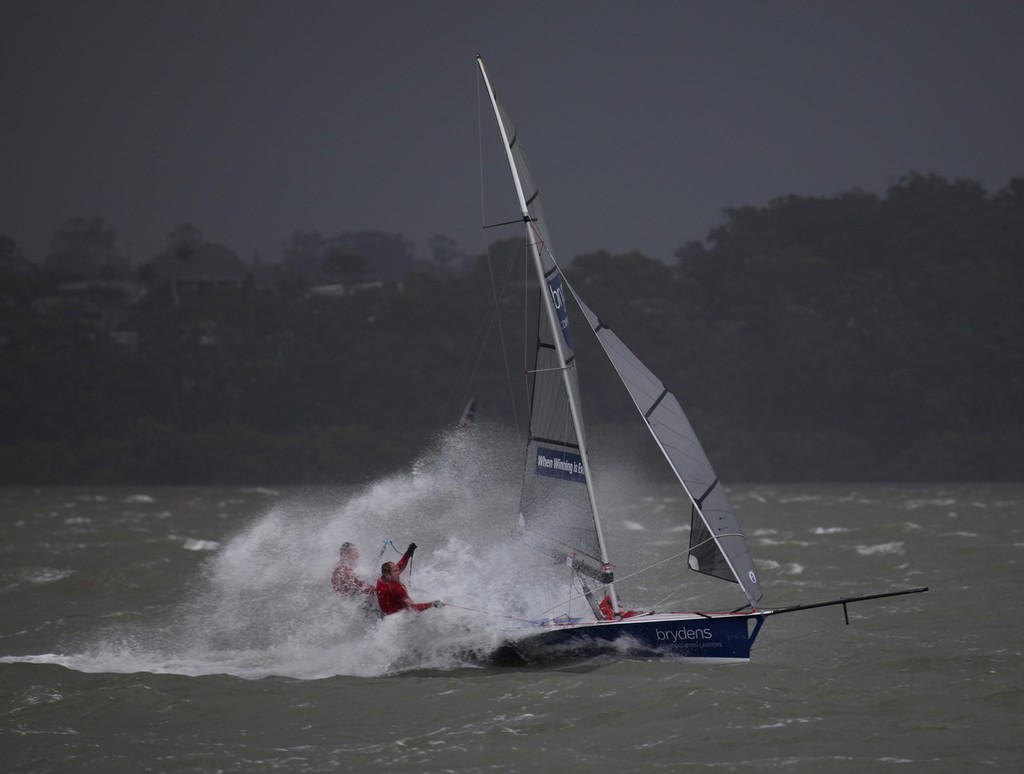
x=847 y=338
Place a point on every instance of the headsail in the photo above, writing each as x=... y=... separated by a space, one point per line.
x=558 y=504
x=717 y=545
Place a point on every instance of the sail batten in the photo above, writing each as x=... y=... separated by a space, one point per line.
x=703 y=497
x=557 y=442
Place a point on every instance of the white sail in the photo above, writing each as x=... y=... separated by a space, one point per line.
x=717 y=545
x=558 y=504
x=558 y=488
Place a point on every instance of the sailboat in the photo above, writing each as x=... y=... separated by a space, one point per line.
x=559 y=513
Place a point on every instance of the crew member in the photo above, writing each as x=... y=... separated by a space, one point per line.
x=609 y=612
x=344 y=580
x=392 y=596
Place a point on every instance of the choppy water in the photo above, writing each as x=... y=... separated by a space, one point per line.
x=194 y=630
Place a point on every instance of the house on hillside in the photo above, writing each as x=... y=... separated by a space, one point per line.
x=198 y=270
x=106 y=304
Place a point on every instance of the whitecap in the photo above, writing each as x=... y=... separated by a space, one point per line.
x=192 y=544
x=42 y=695
x=635 y=526
x=828 y=530
x=786 y=722
x=139 y=498
x=46 y=575
x=924 y=503
x=772 y=542
x=790 y=568
x=44 y=658
x=895 y=547
x=755 y=496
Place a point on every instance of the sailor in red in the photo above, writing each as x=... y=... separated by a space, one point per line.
x=344 y=580
x=392 y=596
x=609 y=612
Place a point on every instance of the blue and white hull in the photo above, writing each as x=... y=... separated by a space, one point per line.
x=711 y=638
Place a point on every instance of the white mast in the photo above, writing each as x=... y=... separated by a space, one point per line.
x=535 y=240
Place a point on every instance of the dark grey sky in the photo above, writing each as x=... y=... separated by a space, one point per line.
x=643 y=121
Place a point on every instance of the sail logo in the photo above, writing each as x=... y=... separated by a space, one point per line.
x=561 y=311
x=560 y=464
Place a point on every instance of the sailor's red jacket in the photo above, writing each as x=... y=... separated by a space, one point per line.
x=392 y=596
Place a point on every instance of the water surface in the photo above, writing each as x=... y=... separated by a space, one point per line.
x=177 y=629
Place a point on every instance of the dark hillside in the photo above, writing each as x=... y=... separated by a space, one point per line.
x=854 y=337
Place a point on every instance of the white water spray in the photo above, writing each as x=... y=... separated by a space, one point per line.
x=264 y=605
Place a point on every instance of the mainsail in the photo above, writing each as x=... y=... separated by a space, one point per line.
x=558 y=507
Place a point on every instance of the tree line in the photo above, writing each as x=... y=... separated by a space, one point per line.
x=854 y=337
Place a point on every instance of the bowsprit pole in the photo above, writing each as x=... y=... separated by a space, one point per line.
x=844 y=601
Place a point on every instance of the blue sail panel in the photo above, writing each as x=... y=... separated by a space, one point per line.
x=558 y=300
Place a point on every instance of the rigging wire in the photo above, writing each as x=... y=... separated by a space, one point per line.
x=497 y=289
x=384 y=547
x=489 y=612
x=477 y=346
x=573 y=597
